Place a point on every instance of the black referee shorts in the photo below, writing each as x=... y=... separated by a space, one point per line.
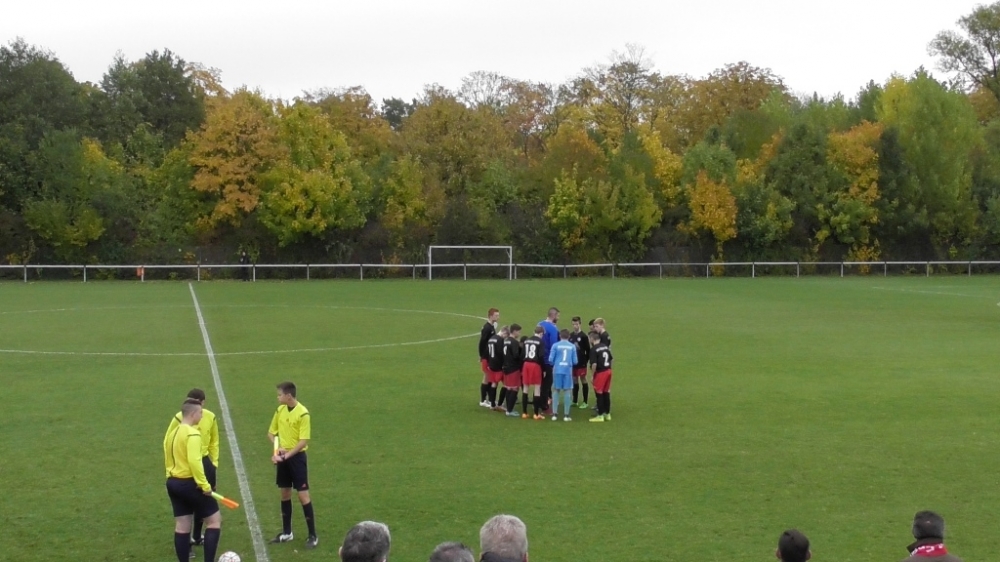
x=187 y=499
x=293 y=473
x=210 y=470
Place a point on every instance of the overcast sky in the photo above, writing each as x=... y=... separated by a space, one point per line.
x=394 y=47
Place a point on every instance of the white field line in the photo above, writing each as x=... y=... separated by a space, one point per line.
x=227 y=353
x=260 y=550
x=929 y=292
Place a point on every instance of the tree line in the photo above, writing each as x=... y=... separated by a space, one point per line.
x=160 y=163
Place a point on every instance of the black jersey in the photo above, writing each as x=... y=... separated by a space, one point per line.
x=606 y=338
x=494 y=352
x=534 y=350
x=484 y=338
x=512 y=356
x=600 y=358
x=582 y=343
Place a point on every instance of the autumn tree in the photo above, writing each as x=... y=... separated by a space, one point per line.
x=974 y=56
x=232 y=150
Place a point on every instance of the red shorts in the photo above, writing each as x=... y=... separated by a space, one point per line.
x=485 y=366
x=495 y=376
x=531 y=374
x=579 y=373
x=512 y=380
x=602 y=381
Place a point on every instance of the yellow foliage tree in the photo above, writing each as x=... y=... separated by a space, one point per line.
x=237 y=144
x=713 y=210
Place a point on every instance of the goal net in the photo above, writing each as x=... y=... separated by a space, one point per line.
x=463 y=262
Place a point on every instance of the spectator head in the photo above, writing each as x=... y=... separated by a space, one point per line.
x=506 y=537
x=452 y=552
x=367 y=541
x=793 y=546
x=928 y=525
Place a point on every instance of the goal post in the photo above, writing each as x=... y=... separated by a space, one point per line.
x=509 y=250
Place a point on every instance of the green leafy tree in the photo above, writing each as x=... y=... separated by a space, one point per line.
x=974 y=56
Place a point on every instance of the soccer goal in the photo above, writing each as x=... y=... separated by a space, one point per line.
x=455 y=260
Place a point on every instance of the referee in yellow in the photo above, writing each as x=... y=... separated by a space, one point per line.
x=189 y=491
x=208 y=427
x=289 y=433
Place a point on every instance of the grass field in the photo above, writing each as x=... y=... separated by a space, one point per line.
x=741 y=407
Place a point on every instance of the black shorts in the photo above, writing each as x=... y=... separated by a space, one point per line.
x=210 y=470
x=187 y=499
x=293 y=473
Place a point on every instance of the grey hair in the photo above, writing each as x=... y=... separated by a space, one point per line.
x=452 y=552
x=368 y=541
x=504 y=535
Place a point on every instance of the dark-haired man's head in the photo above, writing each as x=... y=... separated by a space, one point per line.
x=196 y=394
x=515 y=330
x=452 y=552
x=793 y=546
x=928 y=525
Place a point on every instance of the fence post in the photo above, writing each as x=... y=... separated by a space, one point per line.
x=361 y=271
x=307 y=272
x=841 y=269
x=564 y=271
x=706 y=269
x=253 y=270
x=928 y=269
x=465 y=272
x=413 y=267
x=84 y=273
x=25 y=273
x=885 y=269
x=199 y=271
x=661 y=270
x=753 y=270
x=970 y=269
x=797 y=264
x=142 y=274
x=612 y=271
x=515 y=271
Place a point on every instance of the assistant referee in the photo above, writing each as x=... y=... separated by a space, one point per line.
x=208 y=427
x=188 y=488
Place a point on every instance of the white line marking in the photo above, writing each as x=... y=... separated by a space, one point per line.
x=928 y=292
x=241 y=475
x=226 y=353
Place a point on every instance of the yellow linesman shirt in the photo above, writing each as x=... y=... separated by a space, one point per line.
x=208 y=427
x=182 y=455
x=290 y=426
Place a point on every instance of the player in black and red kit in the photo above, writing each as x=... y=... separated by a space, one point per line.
x=494 y=362
x=489 y=328
x=600 y=357
x=512 y=359
x=531 y=374
x=582 y=342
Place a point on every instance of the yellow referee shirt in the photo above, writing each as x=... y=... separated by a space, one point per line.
x=208 y=427
x=290 y=426
x=182 y=455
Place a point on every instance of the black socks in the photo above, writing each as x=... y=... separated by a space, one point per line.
x=307 y=510
x=211 y=542
x=586 y=392
x=524 y=402
x=503 y=396
x=182 y=544
x=484 y=391
x=576 y=392
x=286 y=516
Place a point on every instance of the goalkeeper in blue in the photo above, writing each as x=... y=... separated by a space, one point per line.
x=562 y=355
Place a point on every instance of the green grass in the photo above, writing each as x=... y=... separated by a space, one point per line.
x=741 y=407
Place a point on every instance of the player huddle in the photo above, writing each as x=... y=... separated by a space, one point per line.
x=544 y=367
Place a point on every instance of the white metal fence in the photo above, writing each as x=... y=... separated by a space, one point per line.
x=254 y=272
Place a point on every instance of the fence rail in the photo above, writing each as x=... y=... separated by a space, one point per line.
x=420 y=270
